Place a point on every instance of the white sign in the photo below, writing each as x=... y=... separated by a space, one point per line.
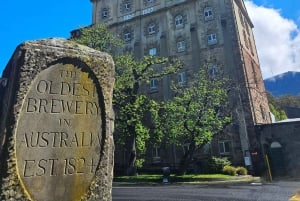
x=147 y=11
x=128 y=17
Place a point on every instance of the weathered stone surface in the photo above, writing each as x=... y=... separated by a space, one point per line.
x=57 y=123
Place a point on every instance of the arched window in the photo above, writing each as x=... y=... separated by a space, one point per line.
x=179 y=21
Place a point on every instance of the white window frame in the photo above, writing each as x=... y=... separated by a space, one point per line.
x=127 y=6
x=153 y=51
x=105 y=12
x=153 y=83
x=180 y=46
x=208 y=13
x=213 y=70
x=179 y=21
x=223 y=146
x=181 y=78
x=151 y=28
x=212 y=39
x=127 y=36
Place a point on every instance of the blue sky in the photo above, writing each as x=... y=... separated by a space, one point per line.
x=28 y=20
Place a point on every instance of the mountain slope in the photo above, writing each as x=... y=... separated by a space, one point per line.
x=286 y=83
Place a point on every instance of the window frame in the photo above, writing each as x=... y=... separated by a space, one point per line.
x=181 y=46
x=223 y=147
x=152 y=51
x=178 y=21
x=212 y=39
x=105 y=13
x=153 y=84
x=181 y=78
x=151 y=28
x=127 y=35
x=127 y=6
x=208 y=13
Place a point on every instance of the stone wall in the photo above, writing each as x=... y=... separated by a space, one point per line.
x=57 y=123
x=281 y=140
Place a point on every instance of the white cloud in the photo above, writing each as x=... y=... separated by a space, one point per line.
x=277 y=40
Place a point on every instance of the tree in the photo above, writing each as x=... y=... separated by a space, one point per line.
x=132 y=106
x=196 y=113
x=99 y=38
x=276 y=107
x=133 y=109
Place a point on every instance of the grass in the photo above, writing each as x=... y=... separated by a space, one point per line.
x=157 y=178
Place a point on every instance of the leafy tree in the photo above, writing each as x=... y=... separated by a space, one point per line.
x=196 y=113
x=276 y=107
x=132 y=107
x=278 y=113
x=289 y=101
x=99 y=38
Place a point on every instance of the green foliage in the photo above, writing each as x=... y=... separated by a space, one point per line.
x=229 y=170
x=132 y=108
x=278 y=113
x=289 y=101
x=277 y=105
x=216 y=164
x=98 y=37
x=196 y=112
x=241 y=170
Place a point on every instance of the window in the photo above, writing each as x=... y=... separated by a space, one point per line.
x=212 y=39
x=208 y=13
x=153 y=51
x=153 y=84
x=155 y=151
x=127 y=36
x=156 y=155
x=225 y=147
x=151 y=28
x=127 y=6
x=213 y=71
x=178 y=21
x=149 y=2
x=181 y=46
x=105 y=13
x=181 y=78
x=186 y=147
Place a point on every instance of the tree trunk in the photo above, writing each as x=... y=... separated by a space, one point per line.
x=131 y=167
x=186 y=159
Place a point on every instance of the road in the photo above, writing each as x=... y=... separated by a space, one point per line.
x=277 y=191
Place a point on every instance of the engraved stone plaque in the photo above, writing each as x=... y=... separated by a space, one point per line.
x=59 y=134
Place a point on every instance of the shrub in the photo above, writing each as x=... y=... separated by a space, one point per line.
x=229 y=170
x=241 y=171
x=216 y=165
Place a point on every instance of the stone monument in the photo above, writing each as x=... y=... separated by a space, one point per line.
x=56 y=123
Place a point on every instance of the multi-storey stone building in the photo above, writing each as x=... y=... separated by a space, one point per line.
x=214 y=32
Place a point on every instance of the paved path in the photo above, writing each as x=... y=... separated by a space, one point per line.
x=277 y=191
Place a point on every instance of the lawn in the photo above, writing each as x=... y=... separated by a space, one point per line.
x=157 y=178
